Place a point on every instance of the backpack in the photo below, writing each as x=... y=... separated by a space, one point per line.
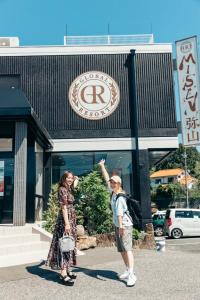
x=134 y=210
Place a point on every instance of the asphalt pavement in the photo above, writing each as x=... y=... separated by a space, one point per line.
x=173 y=274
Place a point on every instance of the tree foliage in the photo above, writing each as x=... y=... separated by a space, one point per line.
x=176 y=160
x=165 y=195
x=171 y=190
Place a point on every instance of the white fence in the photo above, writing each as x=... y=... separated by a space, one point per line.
x=108 y=40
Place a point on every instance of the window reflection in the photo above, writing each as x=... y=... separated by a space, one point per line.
x=5 y=145
x=82 y=163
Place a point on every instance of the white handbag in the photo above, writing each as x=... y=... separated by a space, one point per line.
x=67 y=243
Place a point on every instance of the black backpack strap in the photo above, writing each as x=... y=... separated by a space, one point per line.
x=121 y=194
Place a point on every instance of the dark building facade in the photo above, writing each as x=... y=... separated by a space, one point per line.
x=67 y=122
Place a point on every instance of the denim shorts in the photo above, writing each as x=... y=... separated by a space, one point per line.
x=125 y=242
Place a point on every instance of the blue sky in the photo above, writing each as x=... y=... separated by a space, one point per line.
x=44 y=22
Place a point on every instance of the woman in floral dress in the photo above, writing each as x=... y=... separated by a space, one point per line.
x=66 y=224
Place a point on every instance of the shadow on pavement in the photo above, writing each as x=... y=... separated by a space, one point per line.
x=98 y=274
x=42 y=271
x=45 y=273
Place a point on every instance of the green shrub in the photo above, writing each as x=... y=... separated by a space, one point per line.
x=136 y=234
x=51 y=214
x=92 y=205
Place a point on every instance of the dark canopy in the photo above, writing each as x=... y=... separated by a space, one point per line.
x=15 y=106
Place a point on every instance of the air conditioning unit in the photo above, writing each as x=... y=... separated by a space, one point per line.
x=9 y=42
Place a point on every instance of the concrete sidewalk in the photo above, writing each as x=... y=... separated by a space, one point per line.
x=173 y=274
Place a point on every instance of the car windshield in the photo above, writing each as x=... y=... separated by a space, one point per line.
x=158 y=216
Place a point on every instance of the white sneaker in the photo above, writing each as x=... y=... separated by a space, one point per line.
x=131 y=280
x=124 y=275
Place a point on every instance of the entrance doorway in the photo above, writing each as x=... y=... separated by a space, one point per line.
x=6 y=187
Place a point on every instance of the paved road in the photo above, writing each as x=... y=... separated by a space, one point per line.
x=173 y=274
x=184 y=245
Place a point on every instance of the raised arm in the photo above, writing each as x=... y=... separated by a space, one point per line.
x=76 y=179
x=104 y=172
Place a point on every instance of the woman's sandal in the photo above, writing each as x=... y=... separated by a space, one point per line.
x=67 y=280
x=72 y=275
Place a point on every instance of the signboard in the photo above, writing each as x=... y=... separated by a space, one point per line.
x=188 y=80
x=94 y=95
x=1 y=178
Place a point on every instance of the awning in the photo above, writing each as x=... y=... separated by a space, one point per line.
x=14 y=105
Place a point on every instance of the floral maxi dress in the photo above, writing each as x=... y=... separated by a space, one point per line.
x=55 y=259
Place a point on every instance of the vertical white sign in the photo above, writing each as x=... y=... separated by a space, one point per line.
x=1 y=178
x=188 y=79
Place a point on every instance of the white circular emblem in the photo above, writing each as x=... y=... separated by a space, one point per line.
x=186 y=47
x=94 y=95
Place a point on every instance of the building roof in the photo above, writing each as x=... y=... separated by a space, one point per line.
x=167 y=173
x=80 y=50
x=13 y=102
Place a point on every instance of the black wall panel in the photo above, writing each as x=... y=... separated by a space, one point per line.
x=46 y=81
x=154 y=90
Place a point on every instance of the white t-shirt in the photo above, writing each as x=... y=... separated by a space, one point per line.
x=119 y=208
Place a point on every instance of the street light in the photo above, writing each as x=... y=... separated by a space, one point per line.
x=186 y=185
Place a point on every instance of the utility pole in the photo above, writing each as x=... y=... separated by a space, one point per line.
x=186 y=184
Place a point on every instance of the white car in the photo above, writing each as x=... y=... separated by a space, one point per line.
x=181 y=222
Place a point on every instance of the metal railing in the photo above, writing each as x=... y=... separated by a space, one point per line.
x=108 y=40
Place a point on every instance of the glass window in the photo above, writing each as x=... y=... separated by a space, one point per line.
x=118 y=163
x=39 y=182
x=162 y=217
x=183 y=214
x=6 y=188
x=82 y=163
x=157 y=181
x=196 y=214
x=39 y=169
x=159 y=217
x=6 y=145
x=78 y=163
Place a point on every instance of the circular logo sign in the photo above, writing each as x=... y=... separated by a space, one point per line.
x=186 y=47
x=94 y=95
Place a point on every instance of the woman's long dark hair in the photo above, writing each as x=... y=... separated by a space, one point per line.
x=62 y=181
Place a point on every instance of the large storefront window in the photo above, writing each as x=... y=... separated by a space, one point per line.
x=39 y=182
x=81 y=163
x=6 y=187
x=7 y=131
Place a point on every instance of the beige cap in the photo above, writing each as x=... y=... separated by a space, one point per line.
x=116 y=179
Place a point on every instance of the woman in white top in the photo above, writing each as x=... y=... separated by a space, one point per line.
x=122 y=223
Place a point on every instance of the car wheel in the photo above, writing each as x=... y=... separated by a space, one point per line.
x=176 y=233
x=158 y=231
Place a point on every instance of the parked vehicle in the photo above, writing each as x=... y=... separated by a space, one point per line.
x=181 y=222
x=158 y=220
